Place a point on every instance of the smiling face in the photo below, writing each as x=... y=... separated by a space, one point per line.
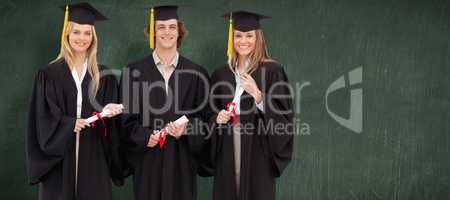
x=80 y=37
x=244 y=42
x=166 y=33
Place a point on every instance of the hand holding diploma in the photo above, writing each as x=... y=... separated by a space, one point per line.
x=154 y=139
x=79 y=124
x=223 y=117
x=110 y=110
x=175 y=129
x=113 y=109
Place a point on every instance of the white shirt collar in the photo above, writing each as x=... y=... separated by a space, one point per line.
x=173 y=63
x=83 y=73
x=247 y=65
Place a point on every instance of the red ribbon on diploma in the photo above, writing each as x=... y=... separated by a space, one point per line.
x=103 y=122
x=231 y=106
x=162 y=137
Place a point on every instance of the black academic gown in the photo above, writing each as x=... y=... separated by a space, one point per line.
x=168 y=173
x=264 y=154
x=51 y=140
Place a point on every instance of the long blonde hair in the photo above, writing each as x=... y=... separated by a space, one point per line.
x=258 y=55
x=66 y=53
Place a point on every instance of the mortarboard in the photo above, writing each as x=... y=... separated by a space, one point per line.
x=81 y=13
x=163 y=12
x=84 y=13
x=242 y=21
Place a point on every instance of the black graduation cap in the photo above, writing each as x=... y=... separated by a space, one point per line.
x=245 y=21
x=160 y=12
x=84 y=13
x=166 y=12
x=242 y=21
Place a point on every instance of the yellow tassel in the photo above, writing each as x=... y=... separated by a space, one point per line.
x=152 y=29
x=66 y=19
x=230 y=37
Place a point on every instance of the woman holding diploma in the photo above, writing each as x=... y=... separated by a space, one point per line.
x=68 y=158
x=251 y=97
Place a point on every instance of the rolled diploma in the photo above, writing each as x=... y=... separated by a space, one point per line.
x=103 y=114
x=183 y=119
x=238 y=93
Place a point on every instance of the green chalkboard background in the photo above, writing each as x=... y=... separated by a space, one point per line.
x=401 y=46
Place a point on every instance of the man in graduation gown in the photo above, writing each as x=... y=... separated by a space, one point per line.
x=51 y=138
x=156 y=91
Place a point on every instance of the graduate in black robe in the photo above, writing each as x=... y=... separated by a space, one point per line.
x=246 y=161
x=51 y=137
x=154 y=94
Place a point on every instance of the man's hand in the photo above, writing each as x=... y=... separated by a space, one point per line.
x=176 y=130
x=153 y=140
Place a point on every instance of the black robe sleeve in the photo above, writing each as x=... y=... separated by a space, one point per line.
x=115 y=153
x=195 y=136
x=213 y=138
x=131 y=122
x=278 y=109
x=198 y=130
x=48 y=130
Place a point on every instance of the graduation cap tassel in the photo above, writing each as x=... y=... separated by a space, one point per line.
x=152 y=29
x=230 y=37
x=66 y=19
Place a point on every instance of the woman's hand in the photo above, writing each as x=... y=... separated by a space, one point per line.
x=114 y=109
x=223 y=117
x=249 y=85
x=79 y=124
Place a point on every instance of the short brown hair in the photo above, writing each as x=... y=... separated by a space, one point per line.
x=182 y=32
